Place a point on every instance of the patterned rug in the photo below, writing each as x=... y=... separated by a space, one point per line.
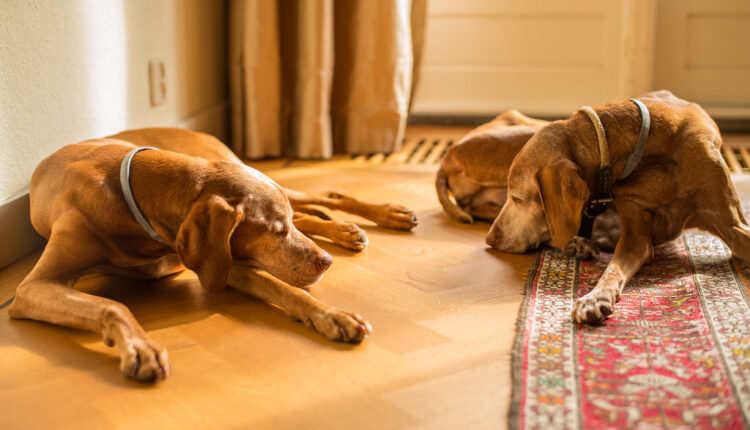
x=675 y=354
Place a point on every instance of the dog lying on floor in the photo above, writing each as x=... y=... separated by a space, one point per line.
x=472 y=179
x=681 y=182
x=472 y=182
x=200 y=207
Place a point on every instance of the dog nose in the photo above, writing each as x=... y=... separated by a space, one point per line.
x=325 y=261
x=492 y=238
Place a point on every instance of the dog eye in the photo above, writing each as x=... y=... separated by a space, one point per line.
x=279 y=228
x=516 y=199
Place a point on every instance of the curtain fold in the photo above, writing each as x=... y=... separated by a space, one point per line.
x=310 y=78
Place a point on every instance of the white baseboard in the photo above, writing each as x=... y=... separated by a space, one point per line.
x=17 y=236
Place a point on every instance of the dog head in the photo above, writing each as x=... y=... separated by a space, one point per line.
x=545 y=197
x=242 y=217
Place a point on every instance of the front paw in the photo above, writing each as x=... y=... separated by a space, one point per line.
x=593 y=308
x=396 y=217
x=581 y=248
x=349 y=236
x=340 y=326
x=144 y=360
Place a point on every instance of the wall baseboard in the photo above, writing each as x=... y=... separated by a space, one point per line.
x=16 y=233
x=726 y=125
x=18 y=236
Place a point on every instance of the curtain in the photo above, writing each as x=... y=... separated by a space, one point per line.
x=312 y=77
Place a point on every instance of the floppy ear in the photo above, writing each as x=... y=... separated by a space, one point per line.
x=203 y=240
x=563 y=194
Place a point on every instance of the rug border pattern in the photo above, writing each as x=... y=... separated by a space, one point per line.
x=711 y=260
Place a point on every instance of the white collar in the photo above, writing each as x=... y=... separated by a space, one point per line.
x=128 y=194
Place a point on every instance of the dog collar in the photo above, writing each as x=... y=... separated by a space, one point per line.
x=602 y=194
x=127 y=192
x=635 y=156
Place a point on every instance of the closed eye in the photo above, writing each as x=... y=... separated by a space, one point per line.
x=516 y=199
x=280 y=228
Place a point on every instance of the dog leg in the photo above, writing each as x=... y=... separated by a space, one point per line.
x=736 y=235
x=54 y=302
x=633 y=250
x=738 y=239
x=581 y=248
x=334 y=324
x=312 y=210
x=386 y=215
x=346 y=234
x=47 y=294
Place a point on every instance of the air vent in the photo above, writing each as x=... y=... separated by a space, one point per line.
x=429 y=148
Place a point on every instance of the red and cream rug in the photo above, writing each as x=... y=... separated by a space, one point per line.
x=675 y=354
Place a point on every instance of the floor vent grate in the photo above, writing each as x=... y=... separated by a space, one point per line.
x=429 y=150
x=737 y=157
x=415 y=150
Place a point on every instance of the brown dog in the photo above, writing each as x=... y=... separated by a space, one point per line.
x=472 y=179
x=215 y=215
x=472 y=182
x=681 y=181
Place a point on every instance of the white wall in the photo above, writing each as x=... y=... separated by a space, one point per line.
x=76 y=69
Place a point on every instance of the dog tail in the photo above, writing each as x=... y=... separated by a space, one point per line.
x=449 y=205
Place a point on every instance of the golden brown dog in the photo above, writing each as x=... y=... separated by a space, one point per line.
x=681 y=181
x=472 y=182
x=216 y=216
x=472 y=179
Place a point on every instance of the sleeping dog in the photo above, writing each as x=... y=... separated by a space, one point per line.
x=472 y=182
x=681 y=181
x=113 y=205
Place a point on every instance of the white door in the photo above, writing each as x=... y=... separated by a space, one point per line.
x=550 y=57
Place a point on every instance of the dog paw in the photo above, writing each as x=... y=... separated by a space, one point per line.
x=581 y=248
x=341 y=326
x=396 y=217
x=144 y=360
x=593 y=308
x=349 y=236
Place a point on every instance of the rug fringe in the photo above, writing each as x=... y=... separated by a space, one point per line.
x=517 y=350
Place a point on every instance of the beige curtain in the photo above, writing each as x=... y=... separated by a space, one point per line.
x=313 y=77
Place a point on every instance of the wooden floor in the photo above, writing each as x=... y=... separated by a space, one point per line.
x=442 y=305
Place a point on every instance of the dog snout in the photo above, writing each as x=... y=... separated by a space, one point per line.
x=324 y=261
x=493 y=238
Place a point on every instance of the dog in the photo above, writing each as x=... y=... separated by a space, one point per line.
x=206 y=210
x=682 y=181
x=472 y=181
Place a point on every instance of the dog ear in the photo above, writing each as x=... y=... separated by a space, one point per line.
x=563 y=195
x=203 y=240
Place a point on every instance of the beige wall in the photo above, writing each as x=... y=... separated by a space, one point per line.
x=75 y=69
